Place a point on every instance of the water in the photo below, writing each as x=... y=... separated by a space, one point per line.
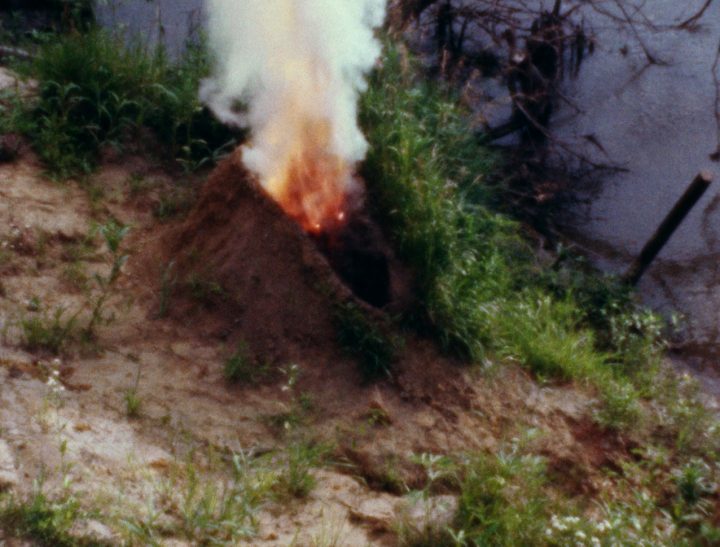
x=657 y=121
x=170 y=22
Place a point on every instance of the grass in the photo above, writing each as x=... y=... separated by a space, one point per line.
x=242 y=368
x=295 y=479
x=480 y=291
x=43 y=331
x=96 y=92
x=48 y=332
x=365 y=340
x=507 y=498
x=204 y=509
x=219 y=504
x=45 y=521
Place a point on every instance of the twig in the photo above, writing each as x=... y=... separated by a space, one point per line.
x=690 y=22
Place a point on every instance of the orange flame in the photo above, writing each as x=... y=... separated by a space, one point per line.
x=312 y=186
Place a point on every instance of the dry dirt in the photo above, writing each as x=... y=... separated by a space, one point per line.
x=275 y=293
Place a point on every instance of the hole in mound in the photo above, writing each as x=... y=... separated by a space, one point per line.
x=360 y=257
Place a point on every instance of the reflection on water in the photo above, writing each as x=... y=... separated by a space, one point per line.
x=658 y=121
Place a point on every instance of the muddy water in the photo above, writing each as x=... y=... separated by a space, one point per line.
x=658 y=122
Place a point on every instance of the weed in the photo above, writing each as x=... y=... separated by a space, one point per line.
x=168 y=281
x=421 y=168
x=48 y=332
x=132 y=403
x=363 y=339
x=298 y=406
x=295 y=479
x=40 y=518
x=205 y=291
x=113 y=234
x=206 y=509
x=75 y=276
x=501 y=500
x=242 y=368
x=132 y=399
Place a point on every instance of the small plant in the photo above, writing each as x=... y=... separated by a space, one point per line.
x=694 y=482
x=206 y=509
x=168 y=281
x=364 y=340
x=48 y=332
x=113 y=234
x=132 y=399
x=295 y=479
x=132 y=403
x=502 y=501
x=40 y=518
x=205 y=291
x=299 y=405
x=242 y=368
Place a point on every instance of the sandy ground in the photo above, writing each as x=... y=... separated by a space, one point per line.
x=73 y=427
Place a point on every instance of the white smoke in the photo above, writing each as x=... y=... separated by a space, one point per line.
x=296 y=65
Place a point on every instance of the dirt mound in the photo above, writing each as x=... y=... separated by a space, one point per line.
x=242 y=266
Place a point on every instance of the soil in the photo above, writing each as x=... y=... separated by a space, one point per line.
x=234 y=269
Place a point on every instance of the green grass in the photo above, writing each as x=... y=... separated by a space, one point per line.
x=97 y=92
x=365 y=340
x=42 y=331
x=242 y=368
x=295 y=479
x=45 y=521
x=480 y=291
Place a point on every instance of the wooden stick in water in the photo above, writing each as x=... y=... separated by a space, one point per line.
x=668 y=226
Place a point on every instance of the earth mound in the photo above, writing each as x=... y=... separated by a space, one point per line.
x=240 y=265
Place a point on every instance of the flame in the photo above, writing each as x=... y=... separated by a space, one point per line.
x=292 y=72
x=310 y=183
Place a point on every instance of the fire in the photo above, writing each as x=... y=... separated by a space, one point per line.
x=310 y=183
x=292 y=71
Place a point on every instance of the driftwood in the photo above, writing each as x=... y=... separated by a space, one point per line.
x=668 y=226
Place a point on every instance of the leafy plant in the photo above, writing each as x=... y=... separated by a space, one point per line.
x=113 y=234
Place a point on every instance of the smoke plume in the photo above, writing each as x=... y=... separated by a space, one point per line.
x=292 y=71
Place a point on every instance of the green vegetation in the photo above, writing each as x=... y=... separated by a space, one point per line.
x=295 y=479
x=242 y=368
x=113 y=235
x=509 y=498
x=53 y=331
x=96 y=93
x=46 y=521
x=481 y=292
x=205 y=509
x=364 y=339
x=48 y=332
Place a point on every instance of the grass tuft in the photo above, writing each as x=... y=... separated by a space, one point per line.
x=363 y=339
